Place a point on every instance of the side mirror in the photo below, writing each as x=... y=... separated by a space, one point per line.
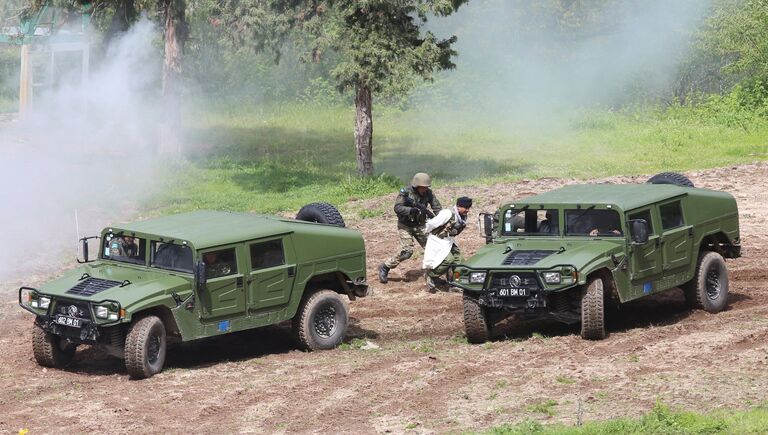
x=488 y=224
x=639 y=231
x=84 y=250
x=200 y=275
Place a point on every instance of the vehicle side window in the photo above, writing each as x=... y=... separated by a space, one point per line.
x=220 y=263
x=267 y=254
x=671 y=215
x=171 y=256
x=645 y=215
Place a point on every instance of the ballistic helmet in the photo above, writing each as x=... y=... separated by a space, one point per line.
x=421 y=179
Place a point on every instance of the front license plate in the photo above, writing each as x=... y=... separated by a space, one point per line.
x=69 y=321
x=513 y=292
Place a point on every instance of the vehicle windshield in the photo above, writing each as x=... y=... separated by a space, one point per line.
x=168 y=255
x=592 y=222
x=530 y=222
x=124 y=248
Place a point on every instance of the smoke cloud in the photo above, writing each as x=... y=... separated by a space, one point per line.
x=84 y=147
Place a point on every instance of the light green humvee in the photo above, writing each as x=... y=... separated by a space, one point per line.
x=198 y=275
x=563 y=254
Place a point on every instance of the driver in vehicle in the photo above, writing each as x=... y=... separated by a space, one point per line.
x=123 y=246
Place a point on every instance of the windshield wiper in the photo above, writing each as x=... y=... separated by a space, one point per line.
x=578 y=218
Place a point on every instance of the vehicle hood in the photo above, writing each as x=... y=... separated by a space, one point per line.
x=126 y=285
x=543 y=254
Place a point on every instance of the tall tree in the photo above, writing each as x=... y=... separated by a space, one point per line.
x=381 y=44
x=175 y=35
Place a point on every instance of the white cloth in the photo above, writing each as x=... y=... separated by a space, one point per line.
x=436 y=248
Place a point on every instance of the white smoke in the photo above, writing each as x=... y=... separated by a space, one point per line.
x=84 y=146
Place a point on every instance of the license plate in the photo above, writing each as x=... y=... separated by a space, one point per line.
x=69 y=321
x=513 y=292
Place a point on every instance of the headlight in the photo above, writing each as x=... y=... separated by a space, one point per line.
x=551 y=277
x=28 y=297
x=101 y=312
x=477 y=277
x=45 y=302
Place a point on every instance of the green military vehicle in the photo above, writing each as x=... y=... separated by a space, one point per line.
x=564 y=254
x=197 y=275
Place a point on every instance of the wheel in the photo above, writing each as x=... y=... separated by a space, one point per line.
x=708 y=290
x=50 y=350
x=321 y=212
x=145 y=347
x=476 y=322
x=671 y=178
x=593 y=310
x=321 y=321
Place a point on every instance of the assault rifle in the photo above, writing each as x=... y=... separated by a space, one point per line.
x=423 y=209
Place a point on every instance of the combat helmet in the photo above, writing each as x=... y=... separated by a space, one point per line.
x=421 y=179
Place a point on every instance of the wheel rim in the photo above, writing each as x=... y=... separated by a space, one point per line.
x=325 y=321
x=713 y=283
x=153 y=349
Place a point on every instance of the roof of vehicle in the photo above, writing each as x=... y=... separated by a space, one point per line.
x=207 y=228
x=625 y=196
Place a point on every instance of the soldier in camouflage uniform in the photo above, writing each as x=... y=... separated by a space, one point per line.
x=214 y=267
x=123 y=246
x=443 y=229
x=412 y=213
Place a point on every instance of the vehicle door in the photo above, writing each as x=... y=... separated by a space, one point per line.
x=676 y=237
x=224 y=293
x=645 y=260
x=272 y=272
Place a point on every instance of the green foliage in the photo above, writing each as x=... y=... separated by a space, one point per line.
x=660 y=420
x=545 y=407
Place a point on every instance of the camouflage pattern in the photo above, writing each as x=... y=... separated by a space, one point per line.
x=412 y=219
x=406 y=235
x=218 y=269
x=451 y=228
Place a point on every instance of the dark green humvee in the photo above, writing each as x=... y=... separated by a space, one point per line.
x=198 y=275
x=563 y=254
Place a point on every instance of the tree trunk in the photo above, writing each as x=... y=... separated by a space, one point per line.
x=125 y=15
x=363 y=130
x=175 y=35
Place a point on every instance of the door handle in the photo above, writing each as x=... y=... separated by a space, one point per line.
x=291 y=271
x=239 y=281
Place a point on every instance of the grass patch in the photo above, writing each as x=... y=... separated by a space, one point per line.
x=565 y=380
x=545 y=407
x=660 y=420
x=278 y=158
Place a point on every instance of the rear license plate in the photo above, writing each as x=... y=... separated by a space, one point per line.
x=69 y=321
x=513 y=292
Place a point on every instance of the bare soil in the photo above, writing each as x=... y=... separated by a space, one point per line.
x=407 y=366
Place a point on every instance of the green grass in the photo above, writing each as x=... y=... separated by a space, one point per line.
x=660 y=420
x=273 y=159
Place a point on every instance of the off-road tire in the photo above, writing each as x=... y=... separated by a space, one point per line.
x=671 y=178
x=321 y=212
x=476 y=321
x=593 y=310
x=50 y=350
x=321 y=321
x=145 y=347
x=708 y=290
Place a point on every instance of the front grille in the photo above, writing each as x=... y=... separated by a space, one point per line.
x=505 y=280
x=525 y=258
x=91 y=286
x=80 y=311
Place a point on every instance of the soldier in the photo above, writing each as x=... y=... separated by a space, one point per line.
x=123 y=246
x=214 y=267
x=441 y=252
x=412 y=213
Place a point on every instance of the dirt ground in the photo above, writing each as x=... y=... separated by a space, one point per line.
x=406 y=365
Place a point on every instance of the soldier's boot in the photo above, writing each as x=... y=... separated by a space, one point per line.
x=383 y=273
x=431 y=285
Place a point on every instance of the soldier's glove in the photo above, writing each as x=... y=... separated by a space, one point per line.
x=414 y=211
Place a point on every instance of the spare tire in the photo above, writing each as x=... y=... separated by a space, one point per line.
x=671 y=178
x=321 y=212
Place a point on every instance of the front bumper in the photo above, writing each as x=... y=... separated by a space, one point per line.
x=80 y=327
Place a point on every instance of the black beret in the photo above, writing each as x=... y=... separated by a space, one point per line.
x=464 y=201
